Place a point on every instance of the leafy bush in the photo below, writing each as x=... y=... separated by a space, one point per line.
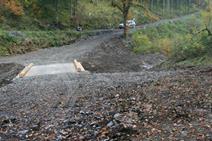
x=187 y=47
x=180 y=40
x=141 y=43
x=207 y=18
x=151 y=31
x=207 y=42
x=165 y=46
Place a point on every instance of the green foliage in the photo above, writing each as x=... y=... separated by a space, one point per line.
x=161 y=37
x=33 y=40
x=88 y=13
x=180 y=41
x=187 y=47
x=102 y=15
x=165 y=45
x=197 y=61
x=207 y=42
x=141 y=43
x=207 y=17
x=32 y=16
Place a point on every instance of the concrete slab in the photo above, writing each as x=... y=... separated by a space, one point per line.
x=51 y=69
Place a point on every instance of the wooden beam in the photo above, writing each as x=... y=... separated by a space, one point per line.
x=78 y=66
x=25 y=71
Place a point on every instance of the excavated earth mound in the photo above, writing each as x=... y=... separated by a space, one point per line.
x=8 y=71
x=114 y=56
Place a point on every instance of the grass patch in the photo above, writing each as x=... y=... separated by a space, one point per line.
x=198 y=61
x=20 y=42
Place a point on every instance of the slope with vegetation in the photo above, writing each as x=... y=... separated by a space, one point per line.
x=186 y=42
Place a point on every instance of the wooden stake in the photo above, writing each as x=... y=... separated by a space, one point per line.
x=25 y=71
x=78 y=66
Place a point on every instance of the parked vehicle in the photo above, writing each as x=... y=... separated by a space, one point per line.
x=130 y=23
x=78 y=28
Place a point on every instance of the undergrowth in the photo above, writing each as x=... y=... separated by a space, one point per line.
x=186 y=41
x=19 y=42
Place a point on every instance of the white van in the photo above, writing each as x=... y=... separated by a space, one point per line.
x=130 y=23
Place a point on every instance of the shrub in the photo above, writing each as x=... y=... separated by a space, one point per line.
x=149 y=31
x=207 y=18
x=207 y=42
x=179 y=40
x=187 y=47
x=141 y=43
x=3 y=51
x=165 y=46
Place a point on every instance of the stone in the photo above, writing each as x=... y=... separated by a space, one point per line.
x=110 y=124
x=117 y=115
x=16 y=34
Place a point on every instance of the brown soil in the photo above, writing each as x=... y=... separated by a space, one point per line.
x=8 y=72
x=115 y=56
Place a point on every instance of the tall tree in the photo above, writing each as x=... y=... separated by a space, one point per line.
x=125 y=5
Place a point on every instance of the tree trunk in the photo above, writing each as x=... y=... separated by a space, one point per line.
x=125 y=25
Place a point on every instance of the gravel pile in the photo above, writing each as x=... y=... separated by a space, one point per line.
x=47 y=101
x=117 y=106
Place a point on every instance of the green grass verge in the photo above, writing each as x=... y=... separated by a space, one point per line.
x=20 y=42
x=198 y=61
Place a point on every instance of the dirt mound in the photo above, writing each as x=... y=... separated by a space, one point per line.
x=115 y=56
x=8 y=72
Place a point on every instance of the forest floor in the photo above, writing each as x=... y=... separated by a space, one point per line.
x=124 y=97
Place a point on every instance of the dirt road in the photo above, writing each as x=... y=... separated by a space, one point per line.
x=63 y=54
